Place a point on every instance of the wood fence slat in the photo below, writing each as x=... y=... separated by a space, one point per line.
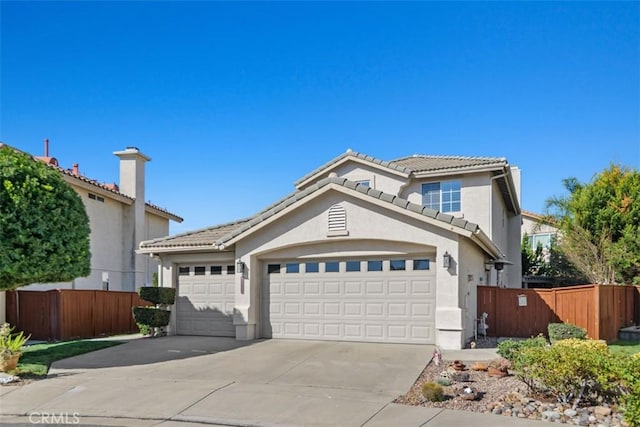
x=72 y=313
x=601 y=310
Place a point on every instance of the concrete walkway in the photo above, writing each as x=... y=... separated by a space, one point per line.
x=182 y=381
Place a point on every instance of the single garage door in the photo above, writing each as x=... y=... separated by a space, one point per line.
x=373 y=300
x=205 y=300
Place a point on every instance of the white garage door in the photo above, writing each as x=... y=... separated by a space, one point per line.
x=205 y=300
x=376 y=300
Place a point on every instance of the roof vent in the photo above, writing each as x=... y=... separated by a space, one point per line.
x=337 y=221
x=349 y=150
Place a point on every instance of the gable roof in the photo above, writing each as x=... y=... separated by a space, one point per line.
x=422 y=166
x=352 y=155
x=220 y=237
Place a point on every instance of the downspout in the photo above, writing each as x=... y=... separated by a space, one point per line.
x=405 y=185
x=493 y=178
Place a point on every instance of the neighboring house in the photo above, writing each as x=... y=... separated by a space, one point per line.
x=363 y=250
x=538 y=230
x=119 y=219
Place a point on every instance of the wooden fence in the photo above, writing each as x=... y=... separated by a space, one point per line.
x=601 y=310
x=62 y=314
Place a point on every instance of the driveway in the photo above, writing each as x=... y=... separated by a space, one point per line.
x=220 y=380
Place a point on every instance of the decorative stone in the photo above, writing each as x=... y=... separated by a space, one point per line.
x=551 y=415
x=570 y=412
x=602 y=411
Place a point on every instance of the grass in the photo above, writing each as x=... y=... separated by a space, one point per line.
x=36 y=359
x=625 y=347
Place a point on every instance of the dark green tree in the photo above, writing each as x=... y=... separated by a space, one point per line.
x=44 y=228
x=600 y=224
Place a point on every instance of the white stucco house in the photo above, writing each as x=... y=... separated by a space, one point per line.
x=119 y=219
x=362 y=250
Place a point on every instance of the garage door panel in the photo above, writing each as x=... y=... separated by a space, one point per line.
x=377 y=306
x=205 y=304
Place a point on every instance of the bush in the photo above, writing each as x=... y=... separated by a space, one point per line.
x=630 y=374
x=433 y=392
x=563 y=331
x=158 y=295
x=572 y=370
x=509 y=349
x=151 y=316
x=144 y=329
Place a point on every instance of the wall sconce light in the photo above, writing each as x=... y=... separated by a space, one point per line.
x=239 y=266
x=488 y=266
x=446 y=260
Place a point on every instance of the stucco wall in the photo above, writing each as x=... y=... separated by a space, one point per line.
x=531 y=225
x=378 y=178
x=472 y=275
x=371 y=228
x=155 y=227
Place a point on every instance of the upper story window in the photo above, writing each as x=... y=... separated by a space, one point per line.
x=541 y=239
x=442 y=196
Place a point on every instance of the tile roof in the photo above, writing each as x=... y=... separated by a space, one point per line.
x=111 y=188
x=424 y=163
x=196 y=238
x=383 y=163
x=220 y=235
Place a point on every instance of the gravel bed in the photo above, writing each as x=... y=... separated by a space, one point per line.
x=506 y=396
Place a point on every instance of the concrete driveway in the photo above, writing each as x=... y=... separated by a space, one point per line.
x=219 y=380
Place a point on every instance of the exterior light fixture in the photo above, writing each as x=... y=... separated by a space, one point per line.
x=239 y=266
x=446 y=260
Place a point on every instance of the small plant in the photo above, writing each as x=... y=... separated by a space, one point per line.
x=11 y=347
x=432 y=392
x=11 y=344
x=563 y=331
x=144 y=329
x=509 y=349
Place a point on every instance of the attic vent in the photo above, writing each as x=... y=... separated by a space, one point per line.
x=337 y=221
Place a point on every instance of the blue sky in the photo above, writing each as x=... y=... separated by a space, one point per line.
x=235 y=101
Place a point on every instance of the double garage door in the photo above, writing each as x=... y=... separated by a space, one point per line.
x=372 y=300
x=205 y=300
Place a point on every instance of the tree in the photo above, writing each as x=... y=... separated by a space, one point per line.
x=600 y=224
x=549 y=262
x=44 y=228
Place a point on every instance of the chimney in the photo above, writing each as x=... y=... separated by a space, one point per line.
x=76 y=170
x=46 y=147
x=132 y=184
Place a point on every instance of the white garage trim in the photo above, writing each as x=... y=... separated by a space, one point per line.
x=372 y=300
x=205 y=301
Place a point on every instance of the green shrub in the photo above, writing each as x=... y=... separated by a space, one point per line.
x=630 y=374
x=572 y=370
x=151 y=316
x=563 y=331
x=509 y=349
x=433 y=392
x=144 y=329
x=158 y=295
